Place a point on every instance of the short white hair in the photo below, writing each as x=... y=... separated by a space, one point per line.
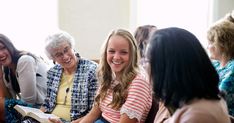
x=54 y=41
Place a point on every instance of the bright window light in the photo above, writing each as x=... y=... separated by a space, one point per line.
x=28 y=22
x=191 y=15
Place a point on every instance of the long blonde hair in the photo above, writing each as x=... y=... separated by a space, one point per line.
x=104 y=72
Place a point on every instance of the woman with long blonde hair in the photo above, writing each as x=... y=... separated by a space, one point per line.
x=124 y=93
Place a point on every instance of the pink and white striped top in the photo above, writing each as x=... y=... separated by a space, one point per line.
x=137 y=104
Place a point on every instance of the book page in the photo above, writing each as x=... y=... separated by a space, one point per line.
x=25 y=110
x=34 y=113
x=41 y=117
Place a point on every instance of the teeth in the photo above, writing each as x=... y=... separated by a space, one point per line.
x=3 y=58
x=116 y=63
x=67 y=61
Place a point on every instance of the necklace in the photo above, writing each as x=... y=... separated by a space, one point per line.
x=68 y=79
x=65 y=100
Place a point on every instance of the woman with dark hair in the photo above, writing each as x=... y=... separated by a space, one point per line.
x=23 y=76
x=142 y=35
x=184 y=79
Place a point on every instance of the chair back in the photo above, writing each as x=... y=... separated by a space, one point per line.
x=153 y=111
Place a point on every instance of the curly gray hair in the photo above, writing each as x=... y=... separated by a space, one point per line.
x=55 y=40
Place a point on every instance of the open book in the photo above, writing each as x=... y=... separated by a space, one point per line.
x=35 y=113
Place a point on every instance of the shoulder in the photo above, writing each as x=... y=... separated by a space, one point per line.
x=202 y=111
x=87 y=61
x=55 y=69
x=231 y=64
x=140 y=79
x=229 y=70
x=140 y=86
x=26 y=61
x=87 y=64
x=215 y=63
x=26 y=58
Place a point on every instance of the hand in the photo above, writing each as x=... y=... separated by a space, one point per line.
x=55 y=120
x=42 y=109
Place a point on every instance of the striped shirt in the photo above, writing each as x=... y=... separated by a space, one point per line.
x=137 y=104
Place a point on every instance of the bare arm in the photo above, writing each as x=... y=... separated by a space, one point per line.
x=125 y=119
x=2 y=117
x=1 y=89
x=93 y=115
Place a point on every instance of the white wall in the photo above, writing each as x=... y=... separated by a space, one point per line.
x=187 y=14
x=28 y=22
x=219 y=8
x=90 y=22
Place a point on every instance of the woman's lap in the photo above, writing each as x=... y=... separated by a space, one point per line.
x=11 y=115
x=101 y=120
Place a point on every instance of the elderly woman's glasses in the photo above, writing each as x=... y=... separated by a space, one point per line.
x=59 y=55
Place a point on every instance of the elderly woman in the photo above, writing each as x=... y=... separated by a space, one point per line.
x=221 y=47
x=72 y=82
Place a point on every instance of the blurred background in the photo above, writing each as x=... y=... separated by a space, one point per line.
x=28 y=22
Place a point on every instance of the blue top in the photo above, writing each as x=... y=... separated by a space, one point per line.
x=226 y=82
x=83 y=90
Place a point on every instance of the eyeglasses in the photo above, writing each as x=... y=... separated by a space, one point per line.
x=59 y=55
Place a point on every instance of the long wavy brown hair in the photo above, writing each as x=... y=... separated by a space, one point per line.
x=105 y=75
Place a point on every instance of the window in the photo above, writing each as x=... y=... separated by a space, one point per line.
x=28 y=22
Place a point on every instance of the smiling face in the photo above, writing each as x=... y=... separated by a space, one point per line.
x=118 y=53
x=65 y=56
x=5 y=57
